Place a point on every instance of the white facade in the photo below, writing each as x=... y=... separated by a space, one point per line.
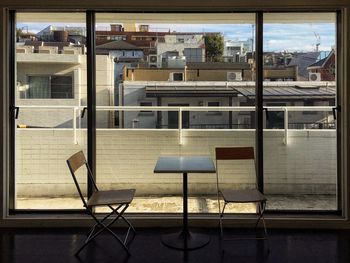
x=180 y=45
x=235 y=50
x=74 y=65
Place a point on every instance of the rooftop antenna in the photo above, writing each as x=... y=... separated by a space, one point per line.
x=318 y=41
x=253 y=29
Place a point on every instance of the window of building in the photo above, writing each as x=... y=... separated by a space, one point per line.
x=214 y=104
x=177 y=76
x=50 y=87
x=309 y=103
x=146 y=112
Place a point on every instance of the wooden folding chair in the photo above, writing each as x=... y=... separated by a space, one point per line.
x=117 y=200
x=242 y=195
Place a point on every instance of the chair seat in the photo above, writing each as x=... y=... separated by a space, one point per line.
x=111 y=197
x=242 y=196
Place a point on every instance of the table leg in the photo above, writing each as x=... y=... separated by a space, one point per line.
x=185 y=240
x=185 y=207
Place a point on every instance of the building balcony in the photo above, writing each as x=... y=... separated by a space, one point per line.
x=299 y=172
x=38 y=58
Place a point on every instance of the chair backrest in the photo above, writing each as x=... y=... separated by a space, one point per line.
x=233 y=153
x=74 y=162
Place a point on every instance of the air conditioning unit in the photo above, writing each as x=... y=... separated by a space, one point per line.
x=25 y=49
x=72 y=50
x=313 y=76
x=234 y=76
x=153 y=60
x=48 y=50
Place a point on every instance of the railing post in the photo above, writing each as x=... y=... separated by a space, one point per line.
x=79 y=119
x=75 y=125
x=180 y=125
x=285 y=141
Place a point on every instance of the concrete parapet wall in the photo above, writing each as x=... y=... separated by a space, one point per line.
x=126 y=158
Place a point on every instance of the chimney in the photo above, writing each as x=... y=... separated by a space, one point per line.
x=60 y=36
x=116 y=28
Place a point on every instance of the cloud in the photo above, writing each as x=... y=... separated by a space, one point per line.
x=298 y=37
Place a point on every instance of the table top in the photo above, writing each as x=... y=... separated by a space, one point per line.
x=185 y=164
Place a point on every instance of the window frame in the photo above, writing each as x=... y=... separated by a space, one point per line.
x=339 y=76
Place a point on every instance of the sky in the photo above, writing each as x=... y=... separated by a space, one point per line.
x=277 y=37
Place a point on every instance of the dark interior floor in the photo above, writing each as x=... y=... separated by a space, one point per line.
x=59 y=245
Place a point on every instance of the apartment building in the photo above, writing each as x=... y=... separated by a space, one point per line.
x=54 y=76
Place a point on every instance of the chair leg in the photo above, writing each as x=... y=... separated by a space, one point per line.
x=102 y=220
x=130 y=226
x=124 y=219
x=103 y=228
x=221 y=215
x=261 y=217
x=260 y=212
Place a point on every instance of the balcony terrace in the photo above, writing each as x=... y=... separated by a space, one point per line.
x=299 y=165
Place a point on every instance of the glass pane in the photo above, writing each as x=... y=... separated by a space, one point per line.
x=171 y=84
x=61 y=87
x=39 y=87
x=300 y=144
x=50 y=94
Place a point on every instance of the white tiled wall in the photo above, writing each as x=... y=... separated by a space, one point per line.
x=126 y=158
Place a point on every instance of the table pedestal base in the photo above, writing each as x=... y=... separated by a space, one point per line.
x=183 y=241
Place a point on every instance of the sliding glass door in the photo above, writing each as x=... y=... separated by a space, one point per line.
x=170 y=84
x=49 y=96
x=300 y=98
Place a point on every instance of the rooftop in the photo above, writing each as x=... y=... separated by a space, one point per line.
x=118 y=45
x=217 y=65
x=291 y=92
x=321 y=62
x=303 y=60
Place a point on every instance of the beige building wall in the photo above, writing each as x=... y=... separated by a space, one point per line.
x=162 y=74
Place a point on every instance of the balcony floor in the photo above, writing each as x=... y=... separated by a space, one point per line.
x=197 y=204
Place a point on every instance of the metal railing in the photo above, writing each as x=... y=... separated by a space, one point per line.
x=77 y=110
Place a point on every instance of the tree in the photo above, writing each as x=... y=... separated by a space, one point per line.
x=214 y=47
x=19 y=33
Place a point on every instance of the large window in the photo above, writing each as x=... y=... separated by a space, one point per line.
x=175 y=97
x=177 y=84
